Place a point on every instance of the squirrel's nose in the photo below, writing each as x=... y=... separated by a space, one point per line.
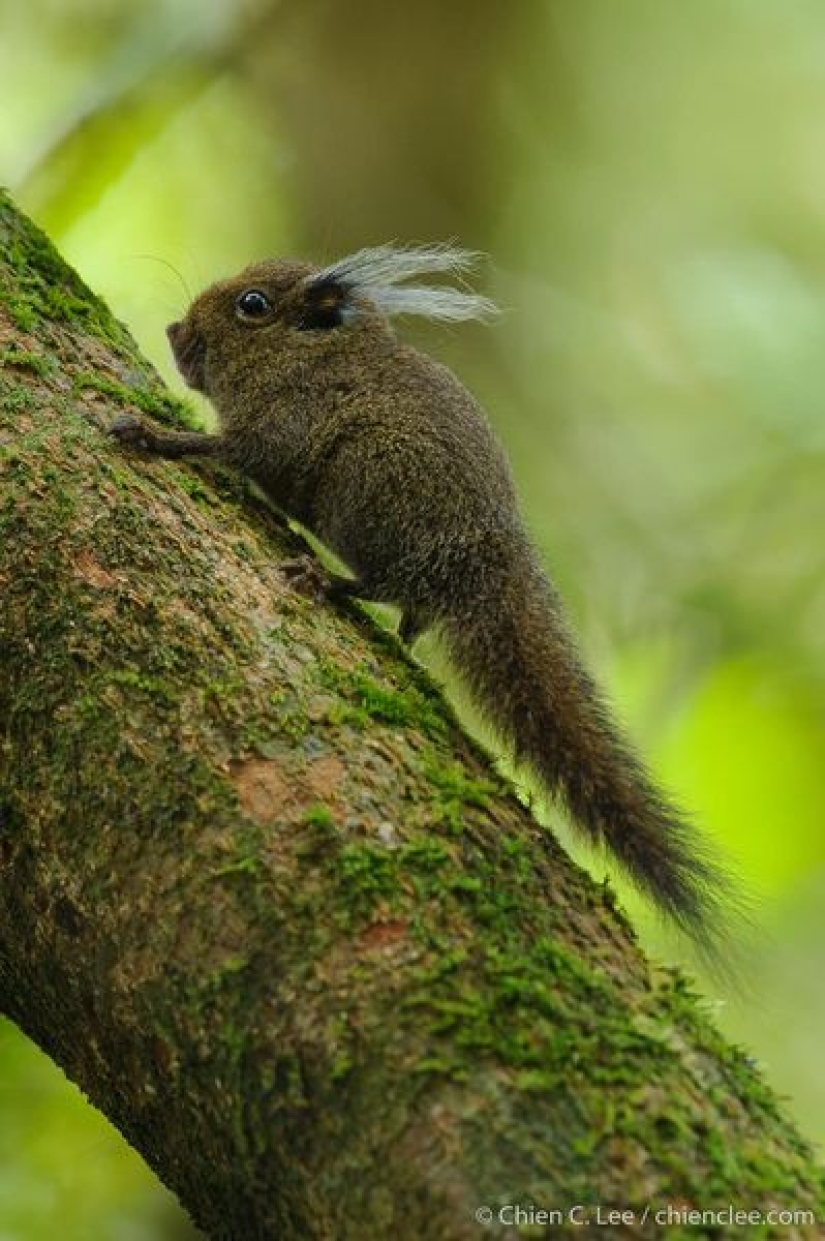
x=173 y=331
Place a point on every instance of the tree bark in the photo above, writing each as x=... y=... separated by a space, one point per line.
x=267 y=904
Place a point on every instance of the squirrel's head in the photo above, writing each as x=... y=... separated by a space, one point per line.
x=290 y=308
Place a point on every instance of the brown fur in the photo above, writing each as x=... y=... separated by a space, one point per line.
x=383 y=454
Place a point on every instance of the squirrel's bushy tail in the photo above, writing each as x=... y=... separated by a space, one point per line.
x=516 y=656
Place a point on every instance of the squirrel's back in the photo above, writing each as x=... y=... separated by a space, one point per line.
x=414 y=482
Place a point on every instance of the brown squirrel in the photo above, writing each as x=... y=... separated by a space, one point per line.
x=386 y=457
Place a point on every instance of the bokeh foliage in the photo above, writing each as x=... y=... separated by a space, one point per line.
x=649 y=183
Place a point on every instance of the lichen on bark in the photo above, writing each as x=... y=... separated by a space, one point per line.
x=265 y=901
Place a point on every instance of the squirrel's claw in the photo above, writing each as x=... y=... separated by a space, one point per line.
x=306 y=576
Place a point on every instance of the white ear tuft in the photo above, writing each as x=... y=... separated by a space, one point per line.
x=433 y=303
x=378 y=273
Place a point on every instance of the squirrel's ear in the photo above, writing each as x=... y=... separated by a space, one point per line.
x=324 y=305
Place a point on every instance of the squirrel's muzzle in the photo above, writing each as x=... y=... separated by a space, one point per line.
x=189 y=350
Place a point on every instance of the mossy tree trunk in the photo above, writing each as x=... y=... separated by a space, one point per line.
x=267 y=904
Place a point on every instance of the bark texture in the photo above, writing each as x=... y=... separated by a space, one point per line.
x=269 y=906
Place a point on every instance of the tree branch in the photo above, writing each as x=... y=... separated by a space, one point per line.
x=267 y=904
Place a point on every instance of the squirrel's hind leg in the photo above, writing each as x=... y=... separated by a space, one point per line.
x=308 y=576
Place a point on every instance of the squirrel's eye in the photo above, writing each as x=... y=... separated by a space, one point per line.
x=252 y=304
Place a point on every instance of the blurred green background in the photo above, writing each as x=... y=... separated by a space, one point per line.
x=648 y=180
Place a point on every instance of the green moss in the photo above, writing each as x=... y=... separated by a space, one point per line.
x=452 y=780
x=221 y=689
x=248 y=865
x=456 y=791
x=426 y=854
x=20 y=310
x=161 y=405
x=63 y=304
x=388 y=706
x=163 y=692
x=38 y=363
x=319 y=816
x=14 y=397
x=368 y=875
x=341 y=1066
x=260 y=741
x=196 y=489
x=342 y=1055
x=42 y=286
x=370 y=702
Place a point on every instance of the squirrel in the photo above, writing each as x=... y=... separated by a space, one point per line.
x=385 y=456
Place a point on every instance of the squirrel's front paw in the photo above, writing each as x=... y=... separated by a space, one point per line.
x=130 y=430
